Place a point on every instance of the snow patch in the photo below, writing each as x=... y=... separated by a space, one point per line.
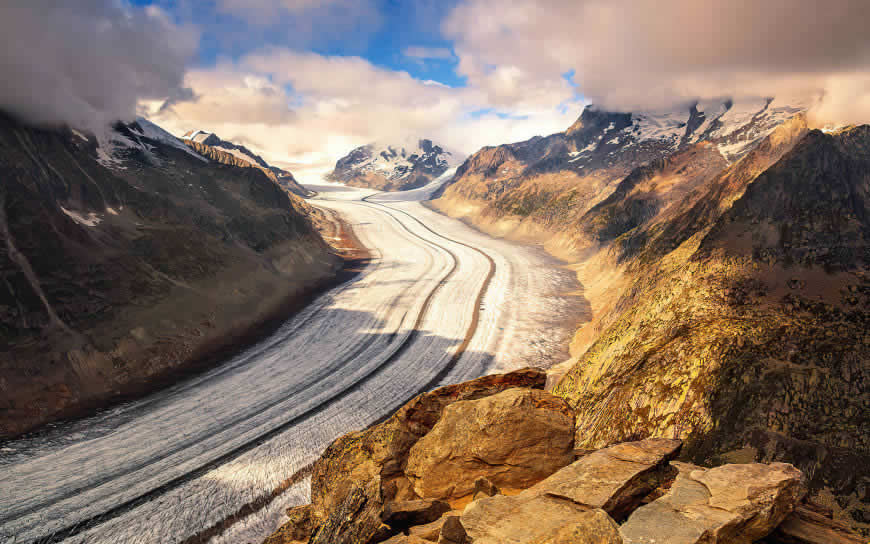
x=79 y=134
x=92 y=220
x=154 y=132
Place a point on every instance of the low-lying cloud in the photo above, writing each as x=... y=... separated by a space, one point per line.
x=89 y=62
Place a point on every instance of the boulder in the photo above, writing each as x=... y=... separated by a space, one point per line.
x=356 y=520
x=616 y=478
x=514 y=438
x=400 y=515
x=484 y=488
x=734 y=504
x=361 y=472
x=806 y=525
x=452 y=532
x=382 y=450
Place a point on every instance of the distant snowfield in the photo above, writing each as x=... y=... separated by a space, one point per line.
x=356 y=353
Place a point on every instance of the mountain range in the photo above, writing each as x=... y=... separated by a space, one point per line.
x=394 y=167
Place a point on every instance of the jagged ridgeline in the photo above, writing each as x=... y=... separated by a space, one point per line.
x=125 y=255
x=210 y=145
x=724 y=252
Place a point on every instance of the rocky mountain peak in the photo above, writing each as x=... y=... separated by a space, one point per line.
x=394 y=165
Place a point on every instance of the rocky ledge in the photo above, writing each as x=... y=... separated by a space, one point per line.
x=492 y=461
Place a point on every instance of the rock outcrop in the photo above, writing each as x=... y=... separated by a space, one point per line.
x=361 y=472
x=638 y=484
x=127 y=259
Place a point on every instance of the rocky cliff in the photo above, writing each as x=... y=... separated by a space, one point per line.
x=494 y=461
x=210 y=145
x=393 y=167
x=126 y=258
x=728 y=283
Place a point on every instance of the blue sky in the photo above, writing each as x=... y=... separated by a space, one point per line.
x=381 y=39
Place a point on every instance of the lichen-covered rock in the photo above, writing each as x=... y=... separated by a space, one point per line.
x=731 y=504
x=515 y=439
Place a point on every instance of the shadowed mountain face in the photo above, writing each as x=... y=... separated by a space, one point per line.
x=210 y=145
x=729 y=289
x=124 y=258
x=393 y=167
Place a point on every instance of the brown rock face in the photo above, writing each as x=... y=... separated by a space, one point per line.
x=514 y=439
x=732 y=504
x=361 y=471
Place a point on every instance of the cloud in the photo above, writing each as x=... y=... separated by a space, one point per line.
x=308 y=110
x=428 y=53
x=630 y=54
x=89 y=62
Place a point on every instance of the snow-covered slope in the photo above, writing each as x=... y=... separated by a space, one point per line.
x=117 y=141
x=394 y=166
x=733 y=126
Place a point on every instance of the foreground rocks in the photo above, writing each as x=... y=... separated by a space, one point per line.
x=468 y=442
x=465 y=464
x=731 y=503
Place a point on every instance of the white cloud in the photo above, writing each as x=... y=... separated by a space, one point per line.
x=89 y=62
x=631 y=54
x=339 y=103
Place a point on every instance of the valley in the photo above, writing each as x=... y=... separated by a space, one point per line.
x=438 y=303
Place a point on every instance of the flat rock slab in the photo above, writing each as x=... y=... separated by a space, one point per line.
x=571 y=506
x=734 y=504
x=537 y=519
x=614 y=479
